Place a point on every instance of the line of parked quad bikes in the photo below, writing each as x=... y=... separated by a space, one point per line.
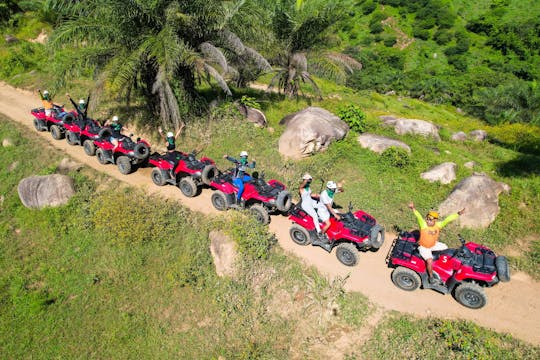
x=464 y=272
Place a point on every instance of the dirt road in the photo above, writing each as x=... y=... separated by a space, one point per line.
x=512 y=307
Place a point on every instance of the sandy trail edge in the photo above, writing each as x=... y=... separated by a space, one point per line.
x=512 y=307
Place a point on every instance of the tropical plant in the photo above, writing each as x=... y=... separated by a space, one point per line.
x=301 y=29
x=157 y=49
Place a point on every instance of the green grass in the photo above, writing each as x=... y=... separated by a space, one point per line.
x=440 y=339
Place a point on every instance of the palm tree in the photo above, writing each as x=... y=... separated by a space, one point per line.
x=301 y=28
x=156 y=48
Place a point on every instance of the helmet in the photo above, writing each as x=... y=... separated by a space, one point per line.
x=115 y=118
x=45 y=92
x=307 y=177
x=331 y=185
x=170 y=134
x=82 y=102
x=433 y=215
x=243 y=153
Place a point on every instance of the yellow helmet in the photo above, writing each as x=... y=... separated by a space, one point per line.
x=433 y=215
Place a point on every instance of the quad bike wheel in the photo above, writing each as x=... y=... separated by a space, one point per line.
x=71 y=138
x=405 y=279
x=260 y=213
x=219 y=200
x=89 y=147
x=471 y=295
x=284 y=201
x=141 y=151
x=208 y=174
x=56 y=132
x=159 y=177
x=39 y=125
x=124 y=165
x=187 y=186
x=376 y=237
x=299 y=235
x=101 y=158
x=503 y=270
x=347 y=254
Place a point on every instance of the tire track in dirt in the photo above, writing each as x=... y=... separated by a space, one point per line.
x=512 y=307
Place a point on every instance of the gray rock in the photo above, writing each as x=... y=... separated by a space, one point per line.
x=253 y=115
x=7 y=142
x=445 y=173
x=479 y=195
x=378 y=143
x=309 y=131
x=389 y=120
x=49 y=190
x=224 y=253
x=10 y=38
x=12 y=166
x=478 y=135
x=470 y=164
x=416 y=127
x=459 y=136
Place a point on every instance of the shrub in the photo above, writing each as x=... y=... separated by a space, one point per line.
x=389 y=41
x=396 y=157
x=368 y=7
x=250 y=102
x=520 y=137
x=354 y=117
x=443 y=36
x=375 y=28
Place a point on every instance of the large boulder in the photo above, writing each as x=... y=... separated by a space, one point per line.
x=253 y=115
x=224 y=253
x=309 y=131
x=378 y=143
x=479 y=195
x=445 y=173
x=49 y=190
x=478 y=135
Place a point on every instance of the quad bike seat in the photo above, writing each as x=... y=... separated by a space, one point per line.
x=436 y=254
x=359 y=227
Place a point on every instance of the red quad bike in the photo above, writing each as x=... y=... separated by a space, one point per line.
x=464 y=271
x=354 y=232
x=260 y=197
x=84 y=137
x=53 y=123
x=189 y=175
x=128 y=154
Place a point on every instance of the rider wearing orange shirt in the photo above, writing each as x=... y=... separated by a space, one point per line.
x=430 y=230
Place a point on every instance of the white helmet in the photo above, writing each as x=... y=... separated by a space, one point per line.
x=243 y=153
x=307 y=177
x=115 y=118
x=170 y=134
x=45 y=92
x=331 y=185
x=81 y=101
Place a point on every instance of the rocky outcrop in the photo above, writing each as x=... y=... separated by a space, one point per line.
x=445 y=173
x=378 y=143
x=49 y=190
x=479 y=195
x=309 y=131
x=67 y=165
x=224 y=253
x=478 y=135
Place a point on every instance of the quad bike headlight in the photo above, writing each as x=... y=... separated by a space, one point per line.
x=197 y=174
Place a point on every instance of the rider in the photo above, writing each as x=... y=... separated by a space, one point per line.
x=47 y=102
x=240 y=176
x=116 y=134
x=170 y=140
x=308 y=203
x=430 y=230
x=82 y=110
x=324 y=209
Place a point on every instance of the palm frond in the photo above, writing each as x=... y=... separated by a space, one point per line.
x=261 y=63
x=213 y=54
x=213 y=73
x=169 y=110
x=232 y=42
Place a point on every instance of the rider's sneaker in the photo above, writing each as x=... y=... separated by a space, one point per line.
x=433 y=280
